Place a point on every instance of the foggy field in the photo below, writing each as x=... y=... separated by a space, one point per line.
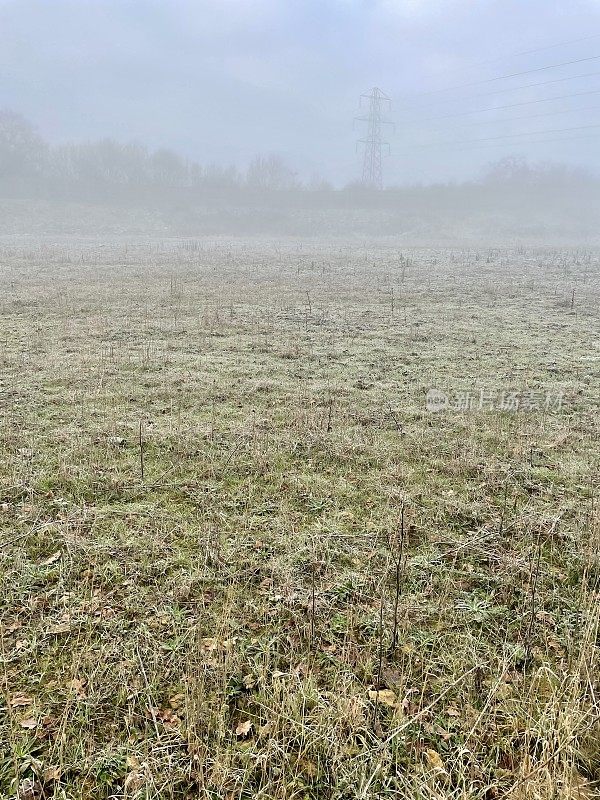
x=299 y=400
x=242 y=559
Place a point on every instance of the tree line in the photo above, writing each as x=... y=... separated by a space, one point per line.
x=28 y=163
x=107 y=169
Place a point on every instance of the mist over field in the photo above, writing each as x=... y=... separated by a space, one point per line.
x=229 y=117
x=299 y=400
x=121 y=189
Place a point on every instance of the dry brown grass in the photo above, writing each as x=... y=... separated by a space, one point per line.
x=224 y=627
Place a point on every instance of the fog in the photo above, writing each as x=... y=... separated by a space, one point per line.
x=235 y=116
x=299 y=399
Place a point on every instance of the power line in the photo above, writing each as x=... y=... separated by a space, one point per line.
x=510 y=105
x=534 y=116
x=503 y=144
x=540 y=83
x=553 y=46
x=512 y=75
x=528 y=117
x=515 y=88
x=510 y=136
x=527 y=52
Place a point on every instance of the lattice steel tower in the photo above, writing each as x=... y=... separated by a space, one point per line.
x=373 y=143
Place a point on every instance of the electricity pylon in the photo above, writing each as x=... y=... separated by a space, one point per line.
x=373 y=141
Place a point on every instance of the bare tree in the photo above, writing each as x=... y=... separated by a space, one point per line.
x=271 y=172
x=22 y=151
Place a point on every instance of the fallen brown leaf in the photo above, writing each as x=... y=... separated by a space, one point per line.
x=434 y=760
x=249 y=681
x=134 y=781
x=12 y=627
x=51 y=559
x=243 y=728
x=78 y=686
x=20 y=700
x=176 y=701
x=61 y=627
x=385 y=696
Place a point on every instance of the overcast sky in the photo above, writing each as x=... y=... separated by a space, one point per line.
x=223 y=80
